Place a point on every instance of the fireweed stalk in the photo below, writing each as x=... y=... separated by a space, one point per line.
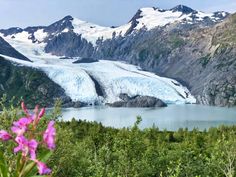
x=24 y=135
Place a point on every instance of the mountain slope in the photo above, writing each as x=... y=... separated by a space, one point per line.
x=201 y=58
x=29 y=84
x=145 y=19
x=7 y=49
x=193 y=47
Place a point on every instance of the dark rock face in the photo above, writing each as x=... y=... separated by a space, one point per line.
x=124 y=97
x=70 y=104
x=138 y=101
x=134 y=22
x=60 y=25
x=69 y=44
x=99 y=89
x=8 y=50
x=183 y=9
x=11 y=31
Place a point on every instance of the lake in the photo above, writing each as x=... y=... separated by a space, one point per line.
x=171 y=118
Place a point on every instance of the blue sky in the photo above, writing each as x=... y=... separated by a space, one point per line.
x=24 y=13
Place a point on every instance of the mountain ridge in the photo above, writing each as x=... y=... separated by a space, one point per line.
x=149 y=18
x=188 y=46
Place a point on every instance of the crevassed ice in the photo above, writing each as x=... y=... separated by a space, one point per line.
x=114 y=77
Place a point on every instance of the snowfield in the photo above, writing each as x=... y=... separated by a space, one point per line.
x=113 y=77
x=92 y=32
x=149 y=18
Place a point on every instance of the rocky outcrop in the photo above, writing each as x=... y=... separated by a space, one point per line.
x=69 y=44
x=138 y=101
x=68 y=103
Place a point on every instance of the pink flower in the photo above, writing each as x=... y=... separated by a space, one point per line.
x=4 y=135
x=32 y=144
x=43 y=169
x=37 y=116
x=34 y=116
x=49 y=136
x=41 y=113
x=22 y=145
x=26 y=146
x=22 y=122
x=25 y=109
x=20 y=126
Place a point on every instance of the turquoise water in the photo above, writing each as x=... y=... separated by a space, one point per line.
x=171 y=118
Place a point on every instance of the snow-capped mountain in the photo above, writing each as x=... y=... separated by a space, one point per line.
x=144 y=19
x=81 y=81
x=166 y=42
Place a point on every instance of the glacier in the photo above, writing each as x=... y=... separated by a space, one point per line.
x=114 y=77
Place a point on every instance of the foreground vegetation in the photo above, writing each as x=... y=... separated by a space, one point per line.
x=90 y=149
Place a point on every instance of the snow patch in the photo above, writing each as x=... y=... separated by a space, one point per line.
x=40 y=35
x=24 y=36
x=92 y=32
x=65 y=30
x=152 y=18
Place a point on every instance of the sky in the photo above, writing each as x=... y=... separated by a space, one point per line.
x=23 y=13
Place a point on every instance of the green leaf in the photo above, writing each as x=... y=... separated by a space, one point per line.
x=18 y=165
x=3 y=166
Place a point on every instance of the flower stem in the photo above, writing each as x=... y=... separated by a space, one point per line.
x=23 y=161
